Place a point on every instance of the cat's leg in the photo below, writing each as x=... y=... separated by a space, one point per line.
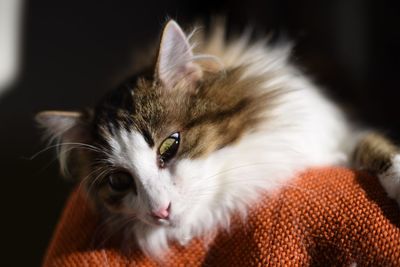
x=374 y=152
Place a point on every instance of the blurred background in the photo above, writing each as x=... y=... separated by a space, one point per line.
x=71 y=52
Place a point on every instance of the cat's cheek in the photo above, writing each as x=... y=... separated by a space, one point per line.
x=120 y=204
x=174 y=218
x=113 y=205
x=178 y=212
x=175 y=222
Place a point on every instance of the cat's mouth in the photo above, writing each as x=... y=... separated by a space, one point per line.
x=162 y=222
x=151 y=220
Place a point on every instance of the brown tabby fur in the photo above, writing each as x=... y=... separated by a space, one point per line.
x=374 y=153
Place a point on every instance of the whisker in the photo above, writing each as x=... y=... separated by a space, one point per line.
x=101 y=228
x=79 y=145
x=102 y=174
x=83 y=181
x=53 y=159
x=124 y=222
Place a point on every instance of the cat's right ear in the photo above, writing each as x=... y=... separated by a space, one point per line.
x=60 y=124
x=67 y=130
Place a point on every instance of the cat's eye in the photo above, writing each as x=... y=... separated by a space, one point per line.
x=168 y=148
x=120 y=181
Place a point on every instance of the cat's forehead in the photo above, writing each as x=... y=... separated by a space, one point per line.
x=214 y=116
x=139 y=106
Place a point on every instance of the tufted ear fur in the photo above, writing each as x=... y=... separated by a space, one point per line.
x=58 y=123
x=175 y=58
x=67 y=129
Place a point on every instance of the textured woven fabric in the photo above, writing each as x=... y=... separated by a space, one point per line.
x=326 y=217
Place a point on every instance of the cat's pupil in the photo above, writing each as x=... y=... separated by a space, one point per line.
x=168 y=148
x=120 y=181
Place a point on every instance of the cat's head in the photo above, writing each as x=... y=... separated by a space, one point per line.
x=144 y=151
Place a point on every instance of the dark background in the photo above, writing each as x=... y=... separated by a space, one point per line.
x=72 y=52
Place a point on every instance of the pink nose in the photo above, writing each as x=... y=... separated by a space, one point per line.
x=162 y=213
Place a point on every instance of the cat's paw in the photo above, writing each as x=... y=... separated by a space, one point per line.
x=390 y=179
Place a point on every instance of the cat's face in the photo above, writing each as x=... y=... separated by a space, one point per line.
x=148 y=145
x=148 y=136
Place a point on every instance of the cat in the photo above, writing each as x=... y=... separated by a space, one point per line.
x=176 y=150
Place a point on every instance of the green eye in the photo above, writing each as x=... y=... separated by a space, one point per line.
x=168 y=148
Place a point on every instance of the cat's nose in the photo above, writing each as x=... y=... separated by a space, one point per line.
x=162 y=213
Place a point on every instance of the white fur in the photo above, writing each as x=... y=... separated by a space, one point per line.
x=307 y=130
x=131 y=152
x=390 y=179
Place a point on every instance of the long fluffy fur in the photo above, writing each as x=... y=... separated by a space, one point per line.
x=304 y=130
x=292 y=127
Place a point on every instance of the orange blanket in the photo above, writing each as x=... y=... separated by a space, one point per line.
x=326 y=217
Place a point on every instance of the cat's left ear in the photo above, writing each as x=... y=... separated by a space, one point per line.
x=175 y=58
